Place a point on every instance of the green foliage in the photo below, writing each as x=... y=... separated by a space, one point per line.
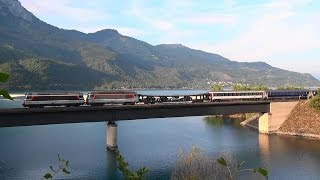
x=62 y=168
x=239 y=169
x=246 y=87
x=123 y=166
x=3 y=78
x=217 y=87
x=290 y=88
x=222 y=162
x=315 y=102
x=262 y=171
x=198 y=165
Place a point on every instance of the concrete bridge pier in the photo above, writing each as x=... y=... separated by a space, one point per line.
x=112 y=136
x=279 y=111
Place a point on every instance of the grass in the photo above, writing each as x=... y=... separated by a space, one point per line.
x=197 y=165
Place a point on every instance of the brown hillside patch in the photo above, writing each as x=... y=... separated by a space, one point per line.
x=303 y=119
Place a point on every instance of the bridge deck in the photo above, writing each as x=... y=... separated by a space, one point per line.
x=60 y=115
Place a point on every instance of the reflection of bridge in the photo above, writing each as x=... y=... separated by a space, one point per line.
x=61 y=115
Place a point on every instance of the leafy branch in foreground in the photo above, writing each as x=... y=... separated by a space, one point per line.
x=63 y=165
x=123 y=166
x=198 y=165
x=4 y=78
x=238 y=169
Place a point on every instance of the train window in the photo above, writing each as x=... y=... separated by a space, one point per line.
x=28 y=97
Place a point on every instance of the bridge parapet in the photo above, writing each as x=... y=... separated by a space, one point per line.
x=61 y=115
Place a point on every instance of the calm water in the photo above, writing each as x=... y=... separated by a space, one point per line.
x=27 y=152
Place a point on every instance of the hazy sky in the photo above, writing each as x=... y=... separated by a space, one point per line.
x=283 y=33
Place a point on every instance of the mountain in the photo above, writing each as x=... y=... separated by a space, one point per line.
x=40 y=56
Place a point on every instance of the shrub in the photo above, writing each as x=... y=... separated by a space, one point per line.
x=3 y=78
x=198 y=165
x=315 y=102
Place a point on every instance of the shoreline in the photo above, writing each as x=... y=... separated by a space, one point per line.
x=303 y=122
x=301 y=135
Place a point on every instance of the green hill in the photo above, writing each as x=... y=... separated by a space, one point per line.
x=40 y=56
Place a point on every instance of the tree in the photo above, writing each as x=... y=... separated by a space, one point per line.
x=123 y=166
x=247 y=87
x=4 y=78
x=290 y=87
x=217 y=87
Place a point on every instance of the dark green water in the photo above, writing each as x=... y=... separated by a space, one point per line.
x=27 y=152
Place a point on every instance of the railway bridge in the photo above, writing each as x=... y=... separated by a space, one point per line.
x=112 y=113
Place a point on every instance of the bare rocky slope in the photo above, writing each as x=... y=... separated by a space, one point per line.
x=302 y=120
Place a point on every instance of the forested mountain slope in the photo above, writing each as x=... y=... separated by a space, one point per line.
x=40 y=56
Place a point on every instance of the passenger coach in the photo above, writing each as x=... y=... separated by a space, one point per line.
x=288 y=94
x=236 y=95
x=53 y=99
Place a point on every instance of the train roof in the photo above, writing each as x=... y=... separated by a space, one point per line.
x=111 y=92
x=53 y=93
x=296 y=90
x=236 y=91
x=172 y=95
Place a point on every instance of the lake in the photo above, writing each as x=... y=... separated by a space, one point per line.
x=27 y=152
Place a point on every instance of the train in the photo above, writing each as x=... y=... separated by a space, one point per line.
x=112 y=97
x=101 y=98
x=67 y=99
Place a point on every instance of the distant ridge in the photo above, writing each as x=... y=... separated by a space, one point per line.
x=40 y=56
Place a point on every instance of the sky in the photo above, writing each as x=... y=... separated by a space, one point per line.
x=283 y=33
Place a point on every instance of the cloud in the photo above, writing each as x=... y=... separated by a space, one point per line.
x=63 y=9
x=127 y=31
x=270 y=35
x=283 y=34
x=212 y=19
x=286 y=4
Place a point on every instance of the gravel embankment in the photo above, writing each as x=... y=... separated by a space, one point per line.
x=303 y=121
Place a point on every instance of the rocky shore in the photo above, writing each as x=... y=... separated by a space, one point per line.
x=303 y=121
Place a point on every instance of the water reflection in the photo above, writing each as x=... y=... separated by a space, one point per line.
x=264 y=148
x=153 y=143
x=220 y=121
x=112 y=172
x=290 y=157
